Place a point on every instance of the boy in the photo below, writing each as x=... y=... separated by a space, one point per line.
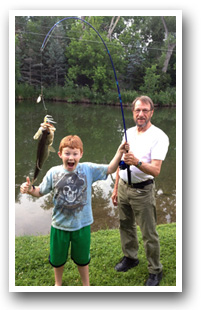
x=72 y=213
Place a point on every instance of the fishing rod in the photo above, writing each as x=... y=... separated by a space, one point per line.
x=117 y=83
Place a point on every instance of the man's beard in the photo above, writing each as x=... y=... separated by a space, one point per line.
x=145 y=123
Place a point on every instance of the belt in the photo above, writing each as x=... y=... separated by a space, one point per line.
x=141 y=184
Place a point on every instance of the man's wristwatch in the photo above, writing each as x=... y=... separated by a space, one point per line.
x=139 y=164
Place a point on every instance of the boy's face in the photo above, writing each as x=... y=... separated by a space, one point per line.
x=70 y=158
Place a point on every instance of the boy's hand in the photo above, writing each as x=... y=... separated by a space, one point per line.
x=124 y=148
x=113 y=165
x=24 y=188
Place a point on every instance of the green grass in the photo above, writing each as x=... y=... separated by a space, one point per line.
x=32 y=267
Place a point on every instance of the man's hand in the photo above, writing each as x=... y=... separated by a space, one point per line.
x=114 y=197
x=130 y=159
x=153 y=168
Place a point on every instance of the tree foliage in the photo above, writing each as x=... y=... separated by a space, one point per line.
x=88 y=61
x=142 y=50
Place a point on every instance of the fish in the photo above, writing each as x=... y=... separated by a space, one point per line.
x=45 y=135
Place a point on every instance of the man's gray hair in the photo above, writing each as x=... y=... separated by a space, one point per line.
x=144 y=99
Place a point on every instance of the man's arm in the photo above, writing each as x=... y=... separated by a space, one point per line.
x=153 y=168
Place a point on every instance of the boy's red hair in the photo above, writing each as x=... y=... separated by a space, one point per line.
x=74 y=142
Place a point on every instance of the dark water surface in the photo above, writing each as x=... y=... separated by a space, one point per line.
x=101 y=130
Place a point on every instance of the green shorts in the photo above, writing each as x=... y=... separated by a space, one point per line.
x=60 y=241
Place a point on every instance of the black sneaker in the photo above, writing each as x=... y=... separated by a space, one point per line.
x=154 y=279
x=126 y=264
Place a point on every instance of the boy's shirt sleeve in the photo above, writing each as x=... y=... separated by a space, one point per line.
x=46 y=184
x=99 y=172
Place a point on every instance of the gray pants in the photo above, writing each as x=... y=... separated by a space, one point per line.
x=137 y=206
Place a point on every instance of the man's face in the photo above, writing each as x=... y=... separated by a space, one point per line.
x=70 y=158
x=142 y=113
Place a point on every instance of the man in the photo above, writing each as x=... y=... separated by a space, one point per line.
x=136 y=202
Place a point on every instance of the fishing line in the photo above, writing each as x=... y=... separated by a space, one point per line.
x=117 y=83
x=41 y=97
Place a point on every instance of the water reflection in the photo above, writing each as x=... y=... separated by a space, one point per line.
x=101 y=131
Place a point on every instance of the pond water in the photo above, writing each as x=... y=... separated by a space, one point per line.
x=101 y=130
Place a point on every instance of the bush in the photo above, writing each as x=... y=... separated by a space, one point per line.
x=129 y=96
x=74 y=93
x=165 y=98
x=25 y=91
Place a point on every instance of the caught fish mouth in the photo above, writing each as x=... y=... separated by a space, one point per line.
x=49 y=119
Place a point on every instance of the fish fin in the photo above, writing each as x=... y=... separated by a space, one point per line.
x=38 y=134
x=38 y=166
x=33 y=181
x=51 y=149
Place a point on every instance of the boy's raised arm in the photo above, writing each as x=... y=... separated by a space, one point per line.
x=113 y=165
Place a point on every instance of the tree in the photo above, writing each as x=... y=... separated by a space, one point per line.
x=170 y=43
x=134 y=45
x=53 y=58
x=48 y=67
x=151 y=81
x=75 y=55
x=17 y=60
x=112 y=26
x=88 y=61
x=157 y=46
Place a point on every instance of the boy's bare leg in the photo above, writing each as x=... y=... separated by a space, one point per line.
x=84 y=274
x=58 y=272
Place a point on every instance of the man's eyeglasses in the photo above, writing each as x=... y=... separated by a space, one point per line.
x=145 y=111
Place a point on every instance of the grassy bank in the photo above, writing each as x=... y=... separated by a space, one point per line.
x=32 y=267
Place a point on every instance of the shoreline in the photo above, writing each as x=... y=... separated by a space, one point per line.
x=88 y=102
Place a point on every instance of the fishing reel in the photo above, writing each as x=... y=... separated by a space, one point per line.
x=123 y=165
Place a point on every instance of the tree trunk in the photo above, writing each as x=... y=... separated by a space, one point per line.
x=112 y=27
x=168 y=56
x=171 y=47
x=83 y=24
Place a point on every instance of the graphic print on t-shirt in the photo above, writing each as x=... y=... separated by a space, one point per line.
x=71 y=193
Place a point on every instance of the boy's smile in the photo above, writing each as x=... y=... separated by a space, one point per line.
x=70 y=158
